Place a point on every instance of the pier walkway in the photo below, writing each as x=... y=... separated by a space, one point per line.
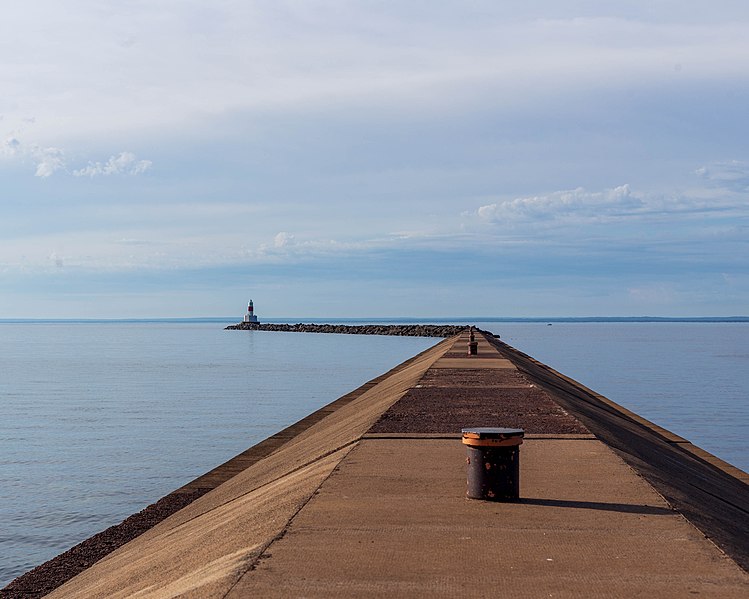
x=369 y=501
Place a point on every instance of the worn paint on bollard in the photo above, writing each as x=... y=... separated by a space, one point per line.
x=493 y=463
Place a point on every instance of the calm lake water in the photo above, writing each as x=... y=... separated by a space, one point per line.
x=97 y=420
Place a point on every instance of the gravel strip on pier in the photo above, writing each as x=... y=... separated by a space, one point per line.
x=447 y=400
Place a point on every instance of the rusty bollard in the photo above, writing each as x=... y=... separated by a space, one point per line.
x=493 y=458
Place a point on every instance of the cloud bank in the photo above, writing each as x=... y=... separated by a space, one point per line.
x=124 y=163
x=50 y=160
x=569 y=204
x=731 y=174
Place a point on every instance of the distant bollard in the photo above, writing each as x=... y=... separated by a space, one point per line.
x=493 y=458
x=473 y=346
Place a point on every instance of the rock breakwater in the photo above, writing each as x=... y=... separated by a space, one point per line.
x=398 y=330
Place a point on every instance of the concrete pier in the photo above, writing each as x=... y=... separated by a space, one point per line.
x=369 y=501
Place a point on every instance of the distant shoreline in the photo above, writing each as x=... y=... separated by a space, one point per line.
x=462 y=320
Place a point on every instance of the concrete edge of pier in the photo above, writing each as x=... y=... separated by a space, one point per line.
x=665 y=434
x=240 y=518
x=709 y=492
x=46 y=577
x=220 y=474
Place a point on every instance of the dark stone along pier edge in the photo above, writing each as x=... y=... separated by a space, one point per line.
x=397 y=330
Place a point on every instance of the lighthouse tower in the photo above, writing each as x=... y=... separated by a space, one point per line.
x=250 y=316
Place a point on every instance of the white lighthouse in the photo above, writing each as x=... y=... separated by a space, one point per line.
x=250 y=316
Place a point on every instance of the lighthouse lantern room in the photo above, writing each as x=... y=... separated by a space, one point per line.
x=250 y=316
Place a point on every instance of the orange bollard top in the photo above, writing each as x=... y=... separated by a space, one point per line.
x=492 y=437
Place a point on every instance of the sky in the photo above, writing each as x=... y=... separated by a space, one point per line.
x=388 y=159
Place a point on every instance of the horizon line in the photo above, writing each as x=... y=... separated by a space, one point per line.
x=383 y=319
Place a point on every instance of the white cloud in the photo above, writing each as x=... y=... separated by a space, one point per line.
x=283 y=239
x=11 y=147
x=731 y=174
x=723 y=196
x=50 y=160
x=134 y=241
x=124 y=163
x=57 y=260
x=575 y=203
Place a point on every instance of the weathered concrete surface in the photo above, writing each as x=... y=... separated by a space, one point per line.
x=203 y=549
x=337 y=511
x=393 y=520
